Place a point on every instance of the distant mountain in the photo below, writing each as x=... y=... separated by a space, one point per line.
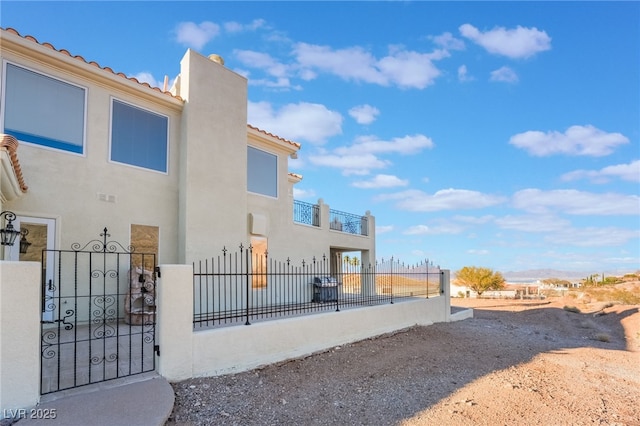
x=541 y=274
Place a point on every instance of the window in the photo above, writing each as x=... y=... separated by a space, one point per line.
x=258 y=262
x=262 y=172
x=44 y=111
x=139 y=137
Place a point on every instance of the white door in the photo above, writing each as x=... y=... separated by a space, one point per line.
x=41 y=235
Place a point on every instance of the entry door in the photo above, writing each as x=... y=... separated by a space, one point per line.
x=41 y=235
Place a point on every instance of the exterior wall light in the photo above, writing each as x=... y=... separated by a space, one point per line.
x=24 y=244
x=8 y=234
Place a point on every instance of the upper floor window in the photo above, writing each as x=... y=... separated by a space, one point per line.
x=262 y=172
x=43 y=110
x=139 y=137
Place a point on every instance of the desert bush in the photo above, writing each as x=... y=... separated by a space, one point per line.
x=619 y=295
x=625 y=297
x=602 y=337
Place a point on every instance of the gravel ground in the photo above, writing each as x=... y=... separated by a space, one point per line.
x=517 y=362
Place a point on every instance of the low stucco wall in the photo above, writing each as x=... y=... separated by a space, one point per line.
x=240 y=348
x=187 y=353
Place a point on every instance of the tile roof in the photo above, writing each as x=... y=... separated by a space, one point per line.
x=80 y=58
x=296 y=144
x=11 y=145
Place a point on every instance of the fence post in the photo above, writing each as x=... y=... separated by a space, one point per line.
x=175 y=321
x=19 y=335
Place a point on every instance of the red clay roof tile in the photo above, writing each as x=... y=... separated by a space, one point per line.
x=80 y=58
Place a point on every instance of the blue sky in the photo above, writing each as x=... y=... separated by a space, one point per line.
x=501 y=134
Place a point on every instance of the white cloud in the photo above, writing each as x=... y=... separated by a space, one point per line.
x=577 y=140
x=443 y=229
x=463 y=74
x=448 y=41
x=350 y=164
x=593 y=237
x=278 y=83
x=479 y=252
x=629 y=172
x=302 y=121
x=146 y=77
x=410 y=69
x=263 y=61
x=474 y=220
x=504 y=74
x=360 y=158
x=410 y=144
x=195 y=35
x=303 y=194
x=236 y=27
x=364 y=114
x=446 y=199
x=381 y=181
x=575 y=202
x=407 y=69
x=520 y=42
x=532 y=223
x=383 y=229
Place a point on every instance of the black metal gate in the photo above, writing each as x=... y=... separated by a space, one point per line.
x=98 y=314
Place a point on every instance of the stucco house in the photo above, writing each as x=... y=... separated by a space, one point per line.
x=178 y=173
x=174 y=170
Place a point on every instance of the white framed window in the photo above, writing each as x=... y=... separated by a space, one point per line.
x=43 y=110
x=262 y=172
x=139 y=137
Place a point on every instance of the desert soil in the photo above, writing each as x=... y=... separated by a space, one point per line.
x=515 y=363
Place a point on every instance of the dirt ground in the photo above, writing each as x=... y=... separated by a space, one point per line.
x=515 y=363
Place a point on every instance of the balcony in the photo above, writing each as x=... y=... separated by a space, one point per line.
x=313 y=214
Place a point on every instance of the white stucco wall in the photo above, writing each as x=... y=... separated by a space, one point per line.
x=67 y=187
x=213 y=160
x=233 y=349
x=201 y=205
x=19 y=335
x=239 y=348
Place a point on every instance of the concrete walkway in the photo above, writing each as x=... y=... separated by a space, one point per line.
x=147 y=402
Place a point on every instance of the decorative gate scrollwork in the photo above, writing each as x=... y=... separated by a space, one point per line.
x=90 y=337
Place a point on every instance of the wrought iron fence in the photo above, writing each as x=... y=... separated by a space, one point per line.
x=241 y=287
x=348 y=222
x=306 y=213
x=98 y=314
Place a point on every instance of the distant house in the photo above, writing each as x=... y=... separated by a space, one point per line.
x=175 y=170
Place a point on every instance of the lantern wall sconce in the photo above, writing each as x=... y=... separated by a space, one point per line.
x=8 y=234
x=24 y=243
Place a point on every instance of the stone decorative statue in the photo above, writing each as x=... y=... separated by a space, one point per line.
x=140 y=301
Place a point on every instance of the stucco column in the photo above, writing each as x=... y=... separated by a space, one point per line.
x=445 y=291
x=324 y=214
x=19 y=334
x=175 y=321
x=367 y=277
